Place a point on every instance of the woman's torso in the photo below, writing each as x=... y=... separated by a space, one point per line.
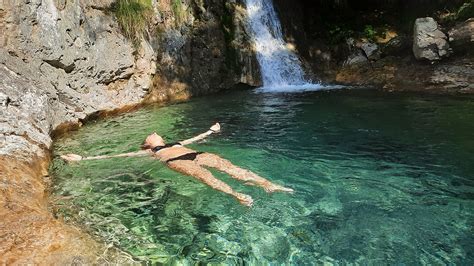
x=166 y=154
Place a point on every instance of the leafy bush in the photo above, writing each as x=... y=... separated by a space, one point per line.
x=133 y=17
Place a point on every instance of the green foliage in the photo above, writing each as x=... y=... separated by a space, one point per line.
x=133 y=17
x=458 y=13
x=338 y=33
x=369 y=32
x=178 y=11
x=466 y=10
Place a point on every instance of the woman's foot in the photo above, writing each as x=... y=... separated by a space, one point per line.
x=273 y=188
x=244 y=199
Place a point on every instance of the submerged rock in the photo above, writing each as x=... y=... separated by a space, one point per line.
x=272 y=245
x=429 y=42
x=29 y=232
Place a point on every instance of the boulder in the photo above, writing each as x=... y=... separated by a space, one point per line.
x=371 y=50
x=461 y=36
x=355 y=58
x=396 y=46
x=361 y=51
x=429 y=42
x=356 y=54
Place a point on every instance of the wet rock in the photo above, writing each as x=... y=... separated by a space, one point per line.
x=213 y=248
x=371 y=50
x=24 y=123
x=396 y=46
x=458 y=76
x=273 y=246
x=355 y=58
x=403 y=74
x=361 y=52
x=29 y=233
x=461 y=36
x=429 y=42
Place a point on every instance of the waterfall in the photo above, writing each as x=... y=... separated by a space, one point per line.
x=279 y=65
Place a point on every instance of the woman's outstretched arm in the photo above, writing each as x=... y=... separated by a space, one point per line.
x=215 y=128
x=71 y=157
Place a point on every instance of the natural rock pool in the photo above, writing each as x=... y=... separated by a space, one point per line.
x=379 y=178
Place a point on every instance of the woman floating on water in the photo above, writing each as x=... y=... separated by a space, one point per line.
x=190 y=162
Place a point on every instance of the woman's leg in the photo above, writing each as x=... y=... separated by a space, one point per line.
x=250 y=178
x=192 y=169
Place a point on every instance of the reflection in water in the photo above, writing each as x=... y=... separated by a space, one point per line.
x=379 y=178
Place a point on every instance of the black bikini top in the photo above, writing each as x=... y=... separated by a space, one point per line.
x=158 y=148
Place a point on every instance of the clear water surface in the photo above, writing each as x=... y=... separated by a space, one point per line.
x=379 y=178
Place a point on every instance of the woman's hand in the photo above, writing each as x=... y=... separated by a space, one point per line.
x=216 y=127
x=71 y=157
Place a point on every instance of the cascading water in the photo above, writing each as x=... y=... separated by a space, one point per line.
x=279 y=65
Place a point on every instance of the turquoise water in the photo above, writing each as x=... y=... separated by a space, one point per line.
x=379 y=178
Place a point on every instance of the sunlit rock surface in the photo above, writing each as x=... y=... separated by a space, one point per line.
x=429 y=42
x=461 y=36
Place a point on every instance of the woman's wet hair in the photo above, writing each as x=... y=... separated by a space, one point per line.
x=146 y=146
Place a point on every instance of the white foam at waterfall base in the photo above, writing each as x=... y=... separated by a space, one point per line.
x=280 y=66
x=298 y=88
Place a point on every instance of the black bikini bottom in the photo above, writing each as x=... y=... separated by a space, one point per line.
x=187 y=157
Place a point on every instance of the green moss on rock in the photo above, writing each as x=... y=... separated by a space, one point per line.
x=133 y=17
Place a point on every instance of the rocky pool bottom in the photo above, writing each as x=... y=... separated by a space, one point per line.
x=379 y=178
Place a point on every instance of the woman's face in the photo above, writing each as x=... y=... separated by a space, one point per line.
x=154 y=140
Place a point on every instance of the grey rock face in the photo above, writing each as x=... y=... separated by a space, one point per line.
x=429 y=42
x=356 y=58
x=24 y=125
x=209 y=51
x=361 y=52
x=457 y=76
x=72 y=57
x=59 y=62
x=371 y=50
x=461 y=36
